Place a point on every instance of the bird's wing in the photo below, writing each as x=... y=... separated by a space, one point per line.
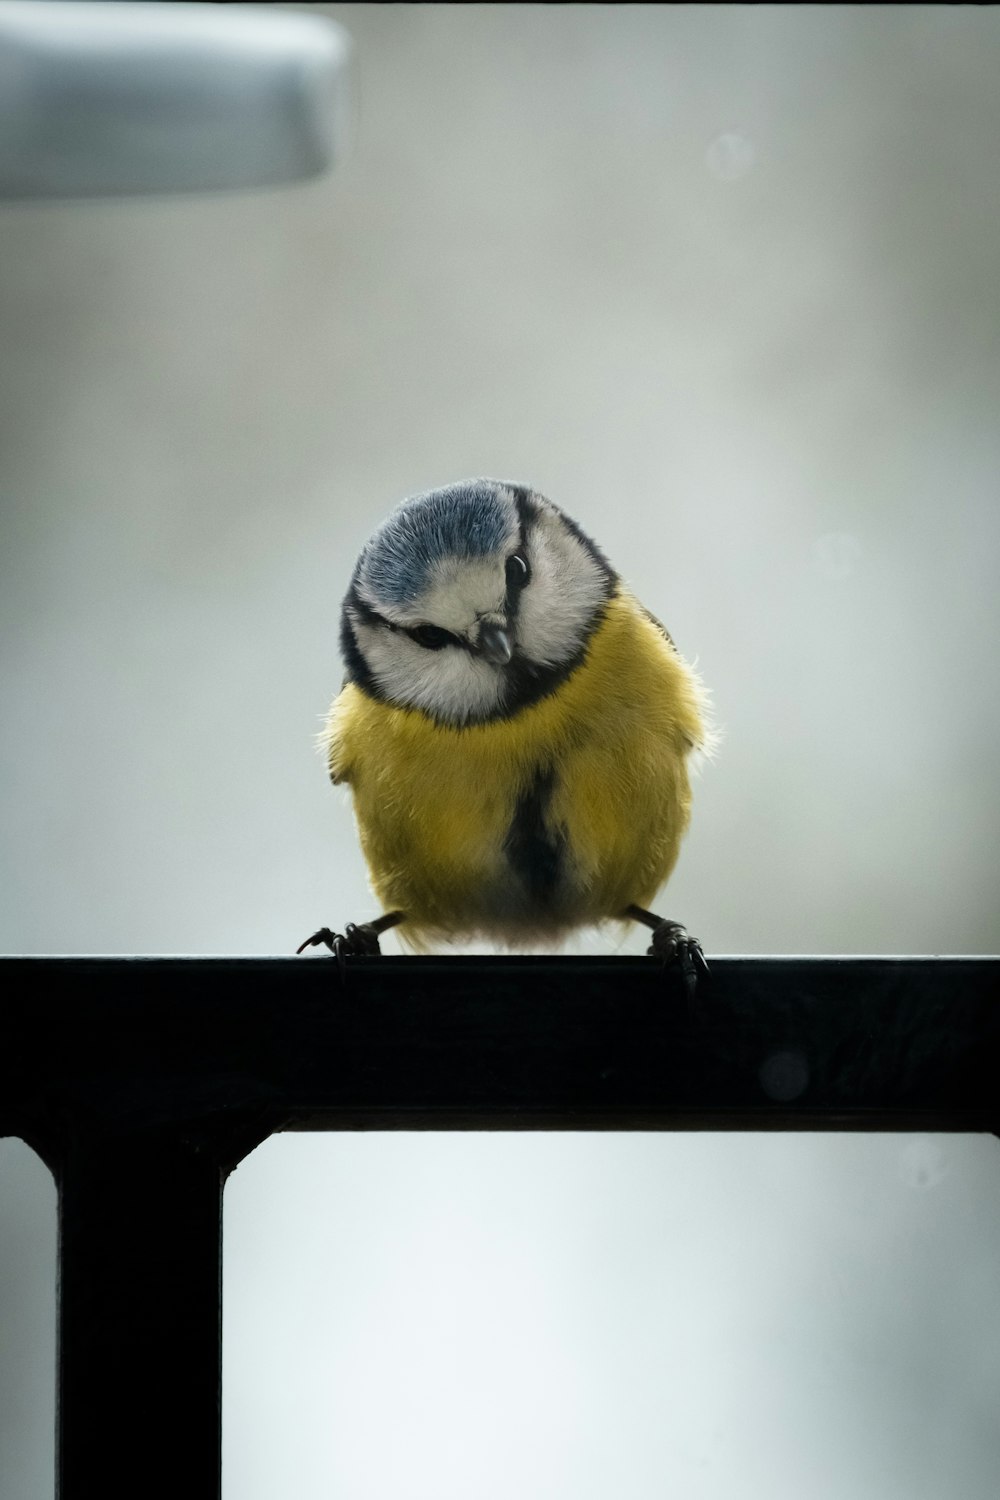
x=659 y=625
x=333 y=738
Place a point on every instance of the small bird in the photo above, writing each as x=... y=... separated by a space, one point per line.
x=515 y=728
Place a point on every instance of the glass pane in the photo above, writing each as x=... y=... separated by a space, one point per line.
x=439 y=1317
x=27 y=1324
x=720 y=280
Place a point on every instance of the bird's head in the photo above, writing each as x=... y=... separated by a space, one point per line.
x=472 y=601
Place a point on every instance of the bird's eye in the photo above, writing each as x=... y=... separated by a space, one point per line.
x=432 y=637
x=518 y=572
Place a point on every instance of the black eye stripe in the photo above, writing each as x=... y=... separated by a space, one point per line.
x=364 y=611
x=432 y=637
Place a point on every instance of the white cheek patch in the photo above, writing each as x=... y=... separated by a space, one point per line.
x=450 y=683
x=566 y=590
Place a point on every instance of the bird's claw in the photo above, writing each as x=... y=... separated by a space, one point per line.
x=358 y=940
x=672 y=943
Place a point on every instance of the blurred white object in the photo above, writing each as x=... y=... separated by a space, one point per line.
x=107 y=98
x=730 y=156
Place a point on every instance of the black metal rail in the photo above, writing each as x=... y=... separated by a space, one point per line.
x=143 y=1081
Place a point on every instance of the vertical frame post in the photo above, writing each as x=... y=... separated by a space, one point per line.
x=140 y=1348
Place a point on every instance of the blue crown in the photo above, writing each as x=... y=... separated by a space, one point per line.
x=469 y=519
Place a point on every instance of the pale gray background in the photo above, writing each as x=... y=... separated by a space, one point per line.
x=723 y=282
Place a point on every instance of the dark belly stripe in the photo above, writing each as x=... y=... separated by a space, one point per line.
x=534 y=850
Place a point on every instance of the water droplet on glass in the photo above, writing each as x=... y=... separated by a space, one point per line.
x=730 y=156
x=837 y=554
x=923 y=1163
x=784 y=1076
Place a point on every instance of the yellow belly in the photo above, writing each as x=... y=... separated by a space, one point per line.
x=597 y=769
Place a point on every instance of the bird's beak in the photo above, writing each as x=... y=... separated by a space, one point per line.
x=494 y=644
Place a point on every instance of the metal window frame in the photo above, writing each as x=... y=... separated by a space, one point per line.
x=143 y=1081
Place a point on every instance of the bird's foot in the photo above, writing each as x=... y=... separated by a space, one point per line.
x=672 y=943
x=358 y=940
x=355 y=942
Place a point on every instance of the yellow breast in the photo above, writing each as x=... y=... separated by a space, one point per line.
x=521 y=828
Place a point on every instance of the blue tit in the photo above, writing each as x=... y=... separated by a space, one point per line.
x=514 y=726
